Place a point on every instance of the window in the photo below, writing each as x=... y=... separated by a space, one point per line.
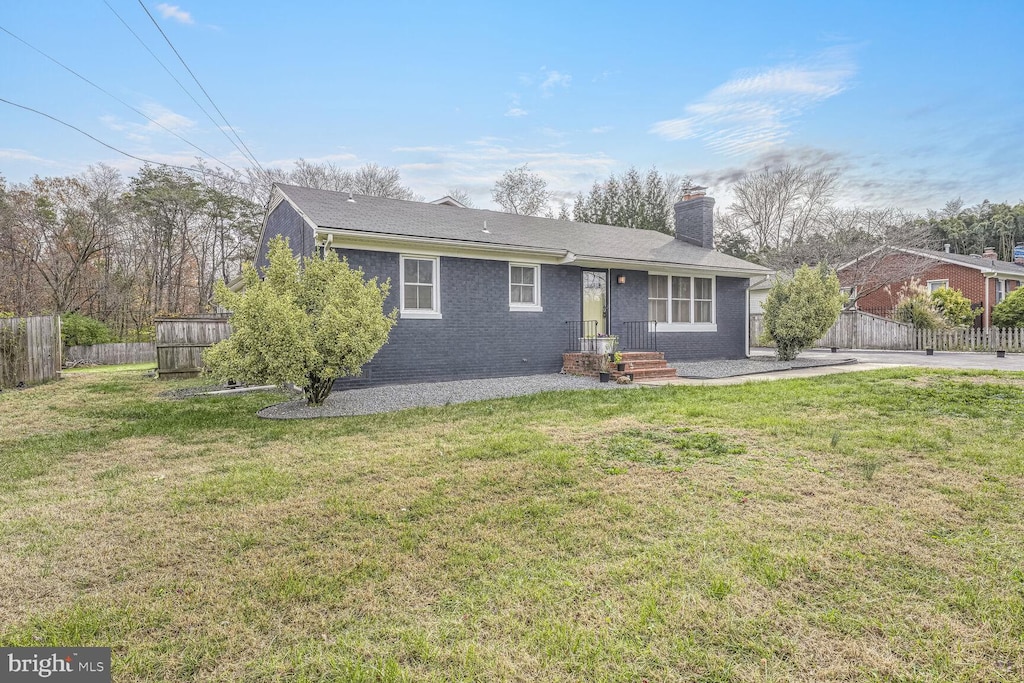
x=681 y=300
x=523 y=287
x=1000 y=290
x=420 y=297
x=934 y=285
x=657 y=298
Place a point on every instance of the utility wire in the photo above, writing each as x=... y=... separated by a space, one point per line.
x=109 y=146
x=109 y=94
x=183 y=88
x=182 y=60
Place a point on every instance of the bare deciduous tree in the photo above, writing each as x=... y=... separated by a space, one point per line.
x=521 y=191
x=781 y=206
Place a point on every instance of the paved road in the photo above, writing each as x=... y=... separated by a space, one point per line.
x=941 y=359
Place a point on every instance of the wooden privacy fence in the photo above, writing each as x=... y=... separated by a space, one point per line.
x=111 y=354
x=854 y=330
x=30 y=350
x=180 y=343
x=971 y=339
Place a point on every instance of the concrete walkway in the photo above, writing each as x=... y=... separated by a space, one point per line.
x=865 y=360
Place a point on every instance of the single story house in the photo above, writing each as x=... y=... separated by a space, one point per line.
x=876 y=280
x=489 y=294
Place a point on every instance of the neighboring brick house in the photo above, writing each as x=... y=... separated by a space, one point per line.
x=491 y=294
x=877 y=280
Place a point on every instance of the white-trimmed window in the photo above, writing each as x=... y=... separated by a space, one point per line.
x=681 y=303
x=420 y=286
x=524 y=287
x=1000 y=290
x=935 y=285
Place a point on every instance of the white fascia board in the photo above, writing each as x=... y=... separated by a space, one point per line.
x=664 y=268
x=432 y=246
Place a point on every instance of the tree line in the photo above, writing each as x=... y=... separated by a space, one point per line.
x=124 y=249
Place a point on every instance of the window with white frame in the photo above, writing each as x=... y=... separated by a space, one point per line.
x=682 y=300
x=1000 y=290
x=935 y=285
x=420 y=295
x=524 y=287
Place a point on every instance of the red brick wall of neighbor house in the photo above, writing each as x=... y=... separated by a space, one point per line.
x=969 y=281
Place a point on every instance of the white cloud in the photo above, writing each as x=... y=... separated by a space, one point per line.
x=598 y=130
x=516 y=112
x=555 y=79
x=174 y=12
x=752 y=113
x=161 y=120
x=19 y=155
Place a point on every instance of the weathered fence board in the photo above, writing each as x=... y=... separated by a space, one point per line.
x=859 y=330
x=30 y=350
x=971 y=339
x=854 y=330
x=112 y=354
x=180 y=343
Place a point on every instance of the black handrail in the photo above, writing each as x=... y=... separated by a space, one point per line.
x=578 y=329
x=639 y=335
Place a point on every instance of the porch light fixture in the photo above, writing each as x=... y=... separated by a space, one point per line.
x=621 y=279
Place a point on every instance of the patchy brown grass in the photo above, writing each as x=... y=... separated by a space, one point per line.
x=857 y=528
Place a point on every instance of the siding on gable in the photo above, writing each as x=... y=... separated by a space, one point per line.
x=285 y=221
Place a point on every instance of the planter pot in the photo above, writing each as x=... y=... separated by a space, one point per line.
x=835 y=349
x=621 y=367
x=929 y=352
x=604 y=376
x=1000 y=354
x=603 y=345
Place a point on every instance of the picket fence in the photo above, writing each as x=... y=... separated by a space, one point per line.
x=30 y=350
x=860 y=330
x=111 y=354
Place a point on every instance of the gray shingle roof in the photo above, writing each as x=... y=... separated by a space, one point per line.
x=975 y=261
x=423 y=220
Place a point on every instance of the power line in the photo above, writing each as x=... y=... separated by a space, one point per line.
x=111 y=95
x=182 y=60
x=109 y=146
x=183 y=88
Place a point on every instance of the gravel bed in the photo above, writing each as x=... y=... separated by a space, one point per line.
x=399 y=397
x=716 y=369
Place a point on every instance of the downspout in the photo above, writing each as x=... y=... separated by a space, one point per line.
x=746 y=321
x=985 y=317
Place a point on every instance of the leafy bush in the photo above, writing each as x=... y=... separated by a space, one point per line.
x=916 y=308
x=953 y=306
x=798 y=312
x=305 y=323
x=81 y=330
x=1010 y=311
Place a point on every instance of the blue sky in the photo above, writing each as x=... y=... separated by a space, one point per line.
x=916 y=102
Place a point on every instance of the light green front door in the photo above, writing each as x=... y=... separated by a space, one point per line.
x=595 y=298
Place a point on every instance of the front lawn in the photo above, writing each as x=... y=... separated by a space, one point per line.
x=865 y=526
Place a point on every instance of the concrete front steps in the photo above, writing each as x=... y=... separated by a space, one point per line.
x=643 y=365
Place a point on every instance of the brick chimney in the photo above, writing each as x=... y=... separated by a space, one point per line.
x=990 y=252
x=695 y=217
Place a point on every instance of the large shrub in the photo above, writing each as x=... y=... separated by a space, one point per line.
x=953 y=306
x=1010 y=311
x=306 y=323
x=81 y=330
x=916 y=307
x=798 y=312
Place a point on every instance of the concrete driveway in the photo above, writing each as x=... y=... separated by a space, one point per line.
x=953 y=360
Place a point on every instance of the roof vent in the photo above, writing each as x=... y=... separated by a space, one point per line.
x=350 y=199
x=485 y=228
x=947 y=246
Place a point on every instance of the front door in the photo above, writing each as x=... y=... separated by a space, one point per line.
x=595 y=299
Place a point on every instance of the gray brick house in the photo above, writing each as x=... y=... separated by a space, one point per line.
x=489 y=294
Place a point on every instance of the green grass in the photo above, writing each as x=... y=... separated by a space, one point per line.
x=128 y=367
x=864 y=526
